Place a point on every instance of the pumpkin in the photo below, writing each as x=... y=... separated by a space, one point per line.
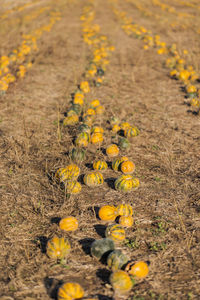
x=90 y=112
x=125 y=125
x=127 y=167
x=124 y=210
x=71 y=120
x=68 y=173
x=121 y=282
x=96 y=138
x=116 y=128
x=124 y=144
x=117 y=162
x=84 y=128
x=139 y=269
x=84 y=86
x=78 y=100
x=131 y=132
x=184 y=75
x=88 y=120
x=97 y=129
x=58 y=248
x=70 y=291
x=126 y=183
x=114 y=121
x=71 y=112
x=76 y=108
x=107 y=213
x=100 y=165
x=99 y=110
x=94 y=103
x=112 y=150
x=72 y=187
x=93 y=179
x=116 y=260
x=101 y=247
x=82 y=139
x=77 y=154
x=68 y=224
x=126 y=221
x=115 y=232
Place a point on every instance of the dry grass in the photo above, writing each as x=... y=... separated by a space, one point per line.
x=33 y=145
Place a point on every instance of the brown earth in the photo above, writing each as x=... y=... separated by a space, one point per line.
x=166 y=153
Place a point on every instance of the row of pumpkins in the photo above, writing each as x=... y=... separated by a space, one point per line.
x=123 y=271
x=89 y=132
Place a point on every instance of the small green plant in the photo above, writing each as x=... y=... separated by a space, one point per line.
x=131 y=243
x=156 y=246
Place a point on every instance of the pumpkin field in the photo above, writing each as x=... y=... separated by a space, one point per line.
x=100 y=149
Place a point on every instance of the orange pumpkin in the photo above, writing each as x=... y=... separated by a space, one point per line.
x=70 y=291
x=121 y=282
x=68 y=224
x=112 y=150
x=139 y=269
x=97 y=138
x=128 y=167
x=107 y=213
x=58 y=248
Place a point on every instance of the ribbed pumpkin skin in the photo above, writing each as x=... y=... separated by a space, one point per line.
x=93 y=179
x=127 y=167
x=97 y=138
x=70 y=291
x=58 y=248
x=94 y=103
x=116 y=163
x=126 y=183
x=100 y=165
x=126 y=221
x=68 y=224
x=84 y=86
x=73 y=187
x=139 y=269
x=115 y=232
x=124 y=210
x=116 y=260
x=112 y=150
x=108 y=213
x=82 y=139
x=100 y=247
x=77 y=154
x=121 y=282
x=97 y=129
x=131 y=132
x=68 y=173
x=71 y=120
x=125 y=125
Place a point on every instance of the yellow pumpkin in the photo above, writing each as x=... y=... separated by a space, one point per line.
x=115 y=232
x=82 y=139
x=125 y=125
x=139 y=269
x=100 y=165
x=131 y=132
x=93 y=179
x=90 y=112
x=116 y=128
x=58 y=248
x=70 y=291
x=68 y=224
x=126 y=221
x=70 y=172
x=71 y=120
x=127 y=167
x=108 y=213
x=78 y=99
x=112 y=150
x=97 y=129
x=184 y=75
x=97 y=138
x=124 y=210
x=72 y=187
x=84 y=86
x=121 y=282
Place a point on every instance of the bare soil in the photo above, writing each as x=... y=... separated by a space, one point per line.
x=167 y=156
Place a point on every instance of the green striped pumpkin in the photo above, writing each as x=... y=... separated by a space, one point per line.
x=131 y=132
x=124 y=210
x=116 y=260
x=93 y=179
x=68 y=173
x=115 y=232
x=58 y=248
x=82 y=139
x=100 y=165
x=84 y=128
x=126 y=183
x=69 y=291
x=117 y=162
x=77 y=154
x=73 y=187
